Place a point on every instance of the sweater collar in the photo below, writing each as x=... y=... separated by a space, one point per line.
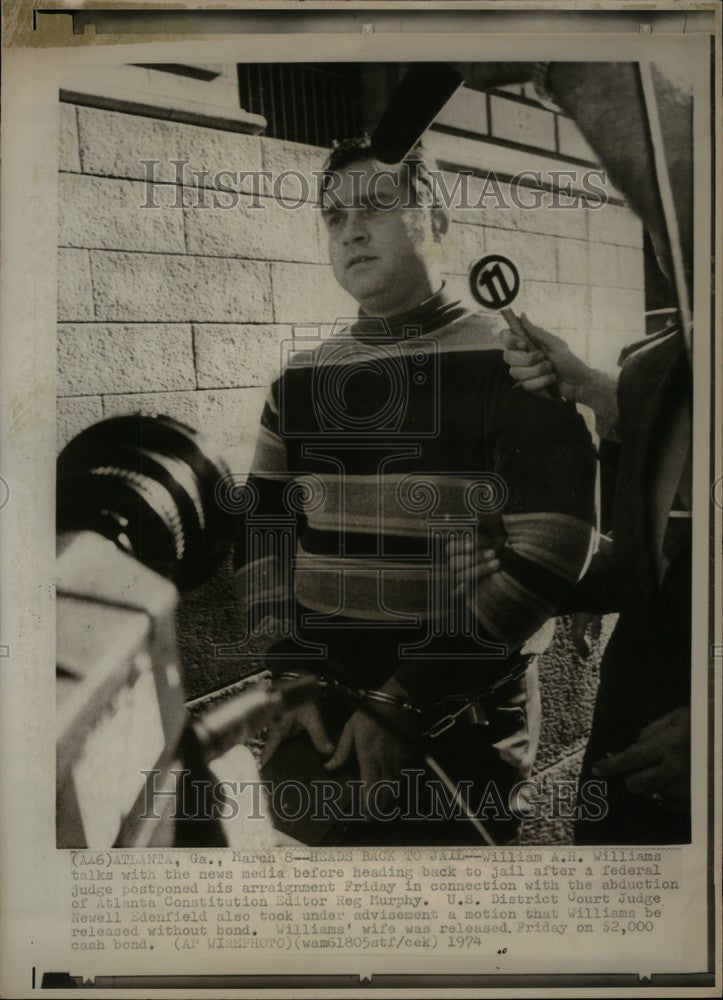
x=432 y=314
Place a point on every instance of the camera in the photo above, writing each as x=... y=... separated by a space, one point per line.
x=139 y=519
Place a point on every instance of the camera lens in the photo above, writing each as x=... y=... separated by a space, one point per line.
x=149 y=484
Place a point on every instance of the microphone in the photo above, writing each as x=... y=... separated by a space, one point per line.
x=421 y=95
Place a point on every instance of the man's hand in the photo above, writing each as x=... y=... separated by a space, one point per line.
x=657 y=765
x=305 y=716
x=381 y=754
x=544 y=361
x=468 y=563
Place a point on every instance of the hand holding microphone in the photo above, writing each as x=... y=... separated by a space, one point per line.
x=539 y=360
x=542 y=362
x=494 y=282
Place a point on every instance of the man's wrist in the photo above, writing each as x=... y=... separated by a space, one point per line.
x=598 y=391
x=394 y=688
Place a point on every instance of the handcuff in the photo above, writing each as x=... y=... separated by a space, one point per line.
x=472 y=705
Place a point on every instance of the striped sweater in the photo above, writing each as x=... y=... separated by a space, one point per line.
x=375 y=448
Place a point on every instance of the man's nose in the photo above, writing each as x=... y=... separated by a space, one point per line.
x=354 y=229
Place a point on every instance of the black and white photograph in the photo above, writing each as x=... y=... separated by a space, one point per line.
x=406 y=533
x=385 y=512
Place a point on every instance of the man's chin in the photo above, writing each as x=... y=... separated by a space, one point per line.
x=365 y=291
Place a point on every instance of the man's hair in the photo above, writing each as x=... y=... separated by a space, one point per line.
x=420 y=167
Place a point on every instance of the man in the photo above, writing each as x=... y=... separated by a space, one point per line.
x=640 y=738
x=407 y=434
x=640 y=741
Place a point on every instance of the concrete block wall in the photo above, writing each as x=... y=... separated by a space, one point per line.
x=172 y=309
x=587 y=282
x=194 y=303
x=185 y=310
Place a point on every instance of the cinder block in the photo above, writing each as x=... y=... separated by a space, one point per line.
x=618 y=309
x=533 y=254
x=167 y=288
x=556 y=217
x=573 y=261
x=604 y=265
x=615 y=224
x=466 y=109
x=231 y=417
x=270 y=232
x=556 y=306
x=462 y=246
x=93 y=358
x=572 y=142
x=495 y=204
x=322 y=239
x=631 y=268
x=239 y=356
x=309 y=293
x=75 y=414
x=523 y=123
x=75 y=289
x=476 y=201
x=69 y=151
x=108 y=213
x=115 y=144
x=293 y=159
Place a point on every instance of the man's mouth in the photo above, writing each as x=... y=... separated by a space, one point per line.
x=360 y=259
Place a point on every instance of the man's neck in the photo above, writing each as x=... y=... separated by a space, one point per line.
x=427 y=316
x=401 y=305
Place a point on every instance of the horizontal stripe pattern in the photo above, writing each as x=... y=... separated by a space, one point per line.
x=370 y=527
x=507 y=609
x=378 y=590
x=344 y=349
x=558 y=542
x=270 y=454
x=408 y=504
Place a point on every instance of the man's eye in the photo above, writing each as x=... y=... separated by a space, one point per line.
x=332 y=221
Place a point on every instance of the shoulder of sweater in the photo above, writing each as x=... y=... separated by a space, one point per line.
x=470 y=333
x=484 y=327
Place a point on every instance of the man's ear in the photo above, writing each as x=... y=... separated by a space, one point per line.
x=440 y=222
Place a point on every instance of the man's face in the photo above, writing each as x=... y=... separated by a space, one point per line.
x=382 y=251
